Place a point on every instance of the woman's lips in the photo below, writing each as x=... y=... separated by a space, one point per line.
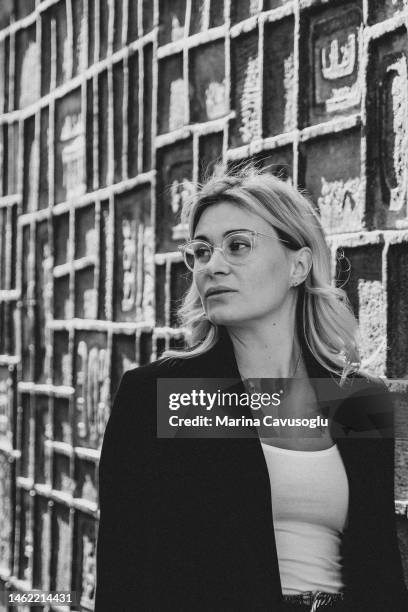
x=221 y=292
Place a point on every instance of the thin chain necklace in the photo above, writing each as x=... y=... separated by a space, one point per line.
x=252 y=387
x=296 y=368
x=297 y=365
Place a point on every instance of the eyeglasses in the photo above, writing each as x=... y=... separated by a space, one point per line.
x=236 y=248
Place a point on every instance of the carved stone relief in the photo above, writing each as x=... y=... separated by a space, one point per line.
x=176 y=111
x=243 y=10
x=246 y=90
x=47 y=294
x=379 y=10
x=177 y=29
x=129 y=259
x=394 y=136
x=333 y=169
x=30 y=166
x=86 y=482
x=181 y=192
x=341 y=204
x=72 y=141
x=6 y=407
x=66 y=369
x=207 y=83
x=26 y=539
x=88 y=571
x=92 y=398
x=204 y=14
x=288 y=83
x=28 y=83
x=62 y=478
x=132 y=212
x=336 y=48
x=372 y=325
x=70 y=147
x=172 y=99
x=172 y=18
x=42 y=537
x=147 y=306
x=5 y=513
x=279 y=79
x=80 y=46
x=62 y=427
x=43 y=295
x=397 y=314
x=90 y=303
x=215 y=100
x=387 y=132
x=249 y=124
x=123 y=357
x=105 y=281
x=43 y=433
x=62 y=531
x=175 y=187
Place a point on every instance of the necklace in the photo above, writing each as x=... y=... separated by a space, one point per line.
x=279 y=386
x=297 y=364
x=294 y=373
x=278 y=383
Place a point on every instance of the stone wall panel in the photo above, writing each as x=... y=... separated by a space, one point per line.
x=279 y=108
x=388 y=135
x=333 y=179
x=246 y=89
x=397 y=265
x=334 y=45
x=207 y=83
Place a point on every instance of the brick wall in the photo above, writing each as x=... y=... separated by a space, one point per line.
x=109 y=111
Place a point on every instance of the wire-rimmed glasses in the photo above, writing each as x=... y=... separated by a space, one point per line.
x=236 y=247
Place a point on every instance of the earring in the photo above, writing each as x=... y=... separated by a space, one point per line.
x=294 y=284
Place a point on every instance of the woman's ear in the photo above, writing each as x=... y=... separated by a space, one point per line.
x=301 y=265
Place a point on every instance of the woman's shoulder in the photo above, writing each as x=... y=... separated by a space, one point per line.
x=366 y=405
x=135 y=394
x=165 y=367
x=363 y=379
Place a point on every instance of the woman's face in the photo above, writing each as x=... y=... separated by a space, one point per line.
x=259 y=286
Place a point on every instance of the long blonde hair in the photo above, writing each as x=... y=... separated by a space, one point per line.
x=326 y=324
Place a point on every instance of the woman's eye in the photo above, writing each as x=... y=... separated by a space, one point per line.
x=201 y=252
x=238 y=245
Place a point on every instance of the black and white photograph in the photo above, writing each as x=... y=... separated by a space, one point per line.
x=204 y=305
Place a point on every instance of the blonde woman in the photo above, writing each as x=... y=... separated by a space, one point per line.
x=289 y=521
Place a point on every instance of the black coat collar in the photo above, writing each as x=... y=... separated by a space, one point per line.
x=368 y=464
x=220 y=363
x=188 y=524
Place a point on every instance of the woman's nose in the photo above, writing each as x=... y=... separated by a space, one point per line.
x=217 y=261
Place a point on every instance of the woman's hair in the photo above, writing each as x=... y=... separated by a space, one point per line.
x=325 y=321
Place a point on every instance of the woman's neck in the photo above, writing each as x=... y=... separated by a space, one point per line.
x=271 y=350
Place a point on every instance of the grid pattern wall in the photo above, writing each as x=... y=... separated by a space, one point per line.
x=110 y=111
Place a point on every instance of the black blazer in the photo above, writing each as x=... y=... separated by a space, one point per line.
x=187 y=524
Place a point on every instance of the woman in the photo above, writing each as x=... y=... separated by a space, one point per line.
x=289 y=521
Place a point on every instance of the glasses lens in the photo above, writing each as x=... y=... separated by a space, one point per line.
x=237 y=246
x=197 y=254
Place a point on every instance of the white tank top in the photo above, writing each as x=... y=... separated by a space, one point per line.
x=310 y=496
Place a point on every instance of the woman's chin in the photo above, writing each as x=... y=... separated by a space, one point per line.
x=222 y=318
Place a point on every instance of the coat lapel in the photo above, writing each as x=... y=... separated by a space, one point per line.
x=238 y=468
x=220 y=363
